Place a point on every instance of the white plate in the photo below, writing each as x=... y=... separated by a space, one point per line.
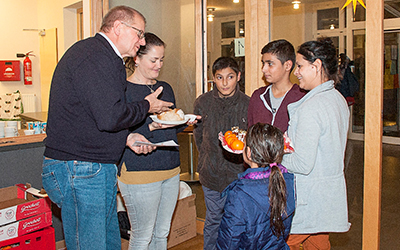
x=187 y=118
x=225 y=146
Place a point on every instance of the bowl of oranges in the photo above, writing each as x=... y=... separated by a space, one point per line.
x=232 y=140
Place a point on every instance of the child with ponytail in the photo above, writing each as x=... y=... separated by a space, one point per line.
x=260 y=203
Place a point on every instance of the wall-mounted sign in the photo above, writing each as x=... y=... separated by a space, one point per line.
x=239 y=47
x=10 y=70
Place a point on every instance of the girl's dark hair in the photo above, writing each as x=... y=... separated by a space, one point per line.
x=223 y=63
x=266 y=145
x=326 y=52
x=151 y=41
x=282 y=49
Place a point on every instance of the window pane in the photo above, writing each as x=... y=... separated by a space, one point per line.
x=241 y=28
x=392 y=9
x=228 y=30
x=359 y=71
x=328 y=19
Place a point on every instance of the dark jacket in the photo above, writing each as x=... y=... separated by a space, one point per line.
x=260 y=107
x=163 y=158
x=246 y=220
x=88 y=117
x=216 y=166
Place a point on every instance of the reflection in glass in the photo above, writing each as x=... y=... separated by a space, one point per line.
x=391 y=85
x=392 y=9
x=359 y=71
x=328 y=19
x=241 y=28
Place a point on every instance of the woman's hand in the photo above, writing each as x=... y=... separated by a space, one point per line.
x=155 y=125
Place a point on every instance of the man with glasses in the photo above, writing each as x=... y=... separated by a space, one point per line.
x=87 y=129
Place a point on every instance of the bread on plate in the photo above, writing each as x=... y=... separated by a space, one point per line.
x=171 y=115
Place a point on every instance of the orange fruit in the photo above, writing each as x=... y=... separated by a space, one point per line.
x=237 y=145
x=228 y=133
x=230 y=136
x=230 y=139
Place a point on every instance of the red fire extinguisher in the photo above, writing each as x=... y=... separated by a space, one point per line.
x=27 y=69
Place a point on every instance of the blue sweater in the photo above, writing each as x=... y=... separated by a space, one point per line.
x=88 y=117
x=246 y=220
x=163 y=158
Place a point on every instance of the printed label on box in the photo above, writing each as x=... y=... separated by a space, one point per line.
x=25 y=226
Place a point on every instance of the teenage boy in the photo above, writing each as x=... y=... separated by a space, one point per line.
x=268 y=104
x=223 y=107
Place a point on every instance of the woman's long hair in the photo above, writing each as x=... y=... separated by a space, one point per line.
x=266 y=145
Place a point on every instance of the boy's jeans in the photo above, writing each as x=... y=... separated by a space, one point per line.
x=86 y=193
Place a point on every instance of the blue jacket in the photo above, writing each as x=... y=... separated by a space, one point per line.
x=246 y=220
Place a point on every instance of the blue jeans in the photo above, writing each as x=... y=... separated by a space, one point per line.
x=86 y=193
x=150 y=208
x=214 y=212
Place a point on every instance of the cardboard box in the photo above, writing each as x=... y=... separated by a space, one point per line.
x=42 y=239
x=183 y=225
x=16 y=204
x=25 y=226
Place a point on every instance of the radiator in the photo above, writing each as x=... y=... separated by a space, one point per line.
x=29 y=102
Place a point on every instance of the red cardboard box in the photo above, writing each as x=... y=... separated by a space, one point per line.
x=16 y=204
x=25 y=226
x=42 y=239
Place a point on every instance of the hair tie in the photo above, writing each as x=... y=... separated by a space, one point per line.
x=273 y=165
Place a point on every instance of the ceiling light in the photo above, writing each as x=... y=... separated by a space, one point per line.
x=332 y=27
x=296 y=5
x=236 y=1
x=210 y=15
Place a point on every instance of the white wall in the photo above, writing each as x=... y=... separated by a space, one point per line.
x=17 y=15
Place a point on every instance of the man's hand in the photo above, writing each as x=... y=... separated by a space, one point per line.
x=156 y=105
x=132 y=137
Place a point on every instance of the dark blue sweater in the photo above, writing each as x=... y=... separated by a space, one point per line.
x=163 y=158
x=88 y=116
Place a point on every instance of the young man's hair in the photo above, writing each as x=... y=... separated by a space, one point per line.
x=282 y=49
x=223 y=63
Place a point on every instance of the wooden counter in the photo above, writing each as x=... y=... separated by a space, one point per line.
x=22 y=141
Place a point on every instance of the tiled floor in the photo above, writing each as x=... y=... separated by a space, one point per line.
x=390 y=224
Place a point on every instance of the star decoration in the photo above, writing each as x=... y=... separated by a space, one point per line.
x=354 y=4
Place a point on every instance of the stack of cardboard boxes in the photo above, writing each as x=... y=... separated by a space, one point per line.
x=25 y=220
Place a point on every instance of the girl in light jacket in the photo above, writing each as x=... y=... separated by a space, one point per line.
x=318 y=129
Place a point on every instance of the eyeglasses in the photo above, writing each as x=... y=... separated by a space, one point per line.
x=140 y=33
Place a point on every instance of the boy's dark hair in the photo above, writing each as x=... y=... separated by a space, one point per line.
x=223 y=63
x=282 y=49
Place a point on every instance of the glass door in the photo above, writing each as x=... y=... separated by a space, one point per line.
x=225 y=35
x=391 y=94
